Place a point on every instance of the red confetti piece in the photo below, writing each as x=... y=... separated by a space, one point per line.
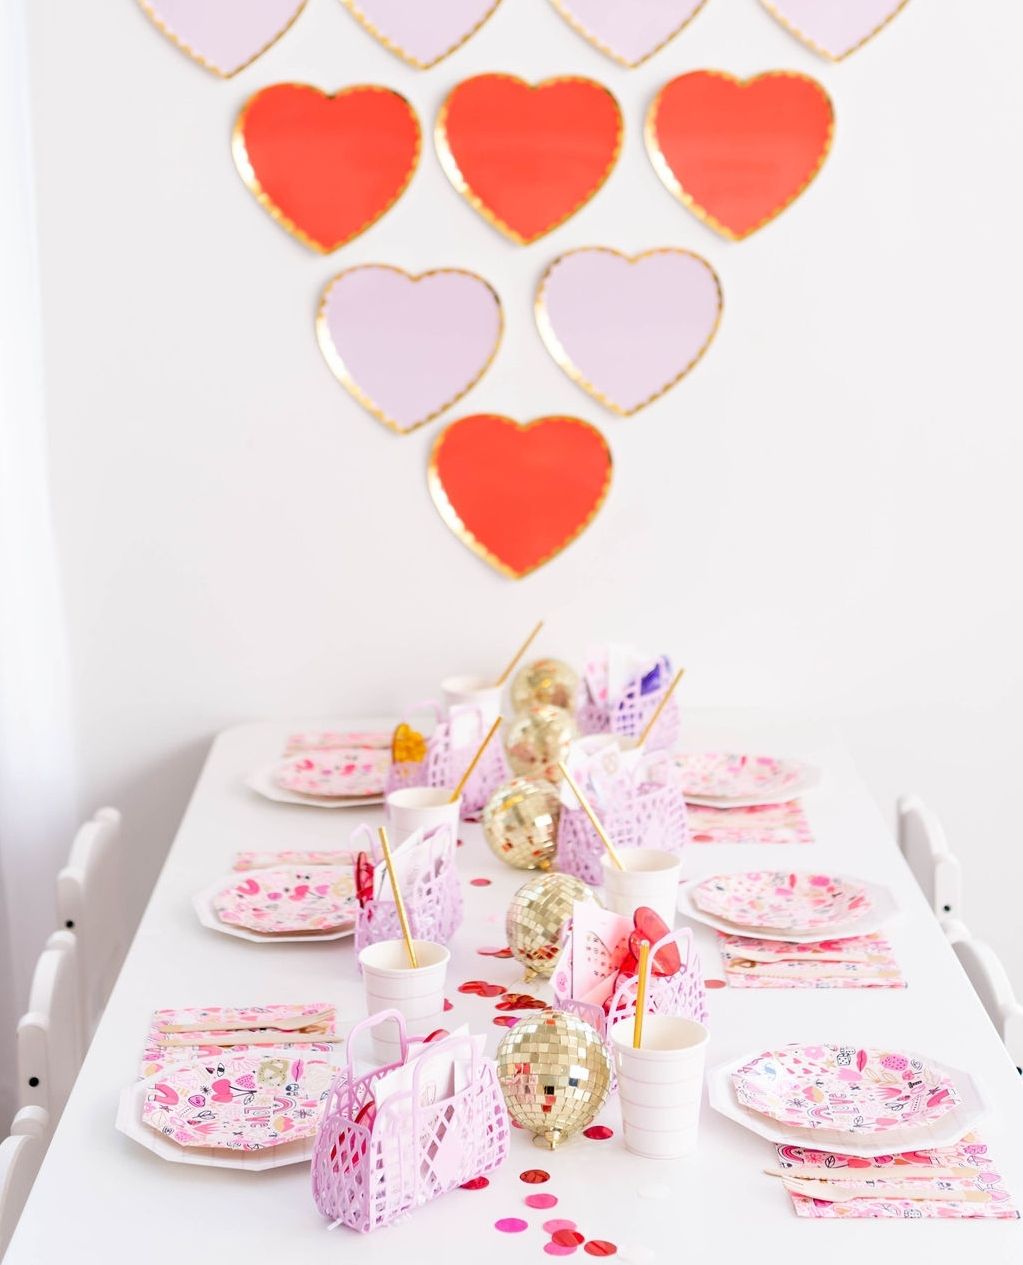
x=598 y=1132
x=448 y=1005
x=511 y=1225
x=556 y=1249
x=479 y=882
x=714 y=983
x=559 y=1223
x=493 y=951
x=541 y=1201
x=567 y=1238
x=600 y=1247
x=480 y=988
x=535 y=1177
x=459 y=843
x=506 y=1021
x=476 y=1183
x=521 y=1001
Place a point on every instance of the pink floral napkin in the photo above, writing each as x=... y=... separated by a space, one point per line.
x=329 y=739
x=269 y=860
x=766 y=823
x=970 y=1154
x=876 y=969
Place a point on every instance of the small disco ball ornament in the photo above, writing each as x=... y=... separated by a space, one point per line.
x=536 y=917
x=538 y=739
x=520 y=822
x=555 y=1075
x=545 y=681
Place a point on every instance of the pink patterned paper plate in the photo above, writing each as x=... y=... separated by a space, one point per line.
x=336 y=773
x=782 y=900
x=724 y=779
x=845 y=1088
x=290 y=899
x=240 y=1102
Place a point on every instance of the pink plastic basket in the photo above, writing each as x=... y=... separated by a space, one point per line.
x=681 y=994
x=365 y=1174
x=433 y=900
x=445 y=763
x=647 y=815
x=629 y=715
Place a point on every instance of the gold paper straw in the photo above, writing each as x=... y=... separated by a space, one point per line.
x=399 y=904
x=612 y=851
x=475 y=760
x=518 y=655
x=648 y=728
x=644 y=963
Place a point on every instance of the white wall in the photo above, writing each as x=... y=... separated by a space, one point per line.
x=825 y=516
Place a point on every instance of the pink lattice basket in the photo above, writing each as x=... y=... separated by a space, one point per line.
x=433 y=900
x=682 y=994
x=445 y=763
x=650 y=815
x=367 y=1172
x=628 y=717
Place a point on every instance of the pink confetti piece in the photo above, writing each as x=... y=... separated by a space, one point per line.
x=541 y=1201
x=511 y=1225
x=558 y=1249
x=559 y=1223
x=479 y=882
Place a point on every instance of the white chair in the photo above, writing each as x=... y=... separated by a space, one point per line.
x=90 y=903
x=49 y=1036
x=992 y=985
x=955 y=930
x=20 y=1157
x=927 y=853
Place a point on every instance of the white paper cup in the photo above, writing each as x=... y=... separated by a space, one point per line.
x=476 y=691
x=650 y=878
x=391 y=984
x=421 y=808
x=660 y=1085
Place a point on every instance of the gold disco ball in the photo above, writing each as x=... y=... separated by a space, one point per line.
x=537 y=740
x=545 y=681
x=520 y=822
x=555 y=1074
x=536 y=916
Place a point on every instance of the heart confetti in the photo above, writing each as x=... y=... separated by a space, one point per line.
x=480 y=988
x=422 y=34
x=627 y=329
x=528 y=157
x=517 y=495
x=632 y=32
x=407 y=347
x=225 y=36
x=326 y=167
x=834 y=28
x=737 y=152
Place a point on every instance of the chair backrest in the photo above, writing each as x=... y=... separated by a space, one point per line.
x=992 y=985
x=90 y=903
x=20 y=1157
x=927 y=853
x=32 y=1122
x=955 y=929
x=49 y=1036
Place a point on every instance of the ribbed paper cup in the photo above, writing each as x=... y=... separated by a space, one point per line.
x=475 y=691
x=650 y=878
x=391 y=984
x=660 y=1085
x=421 y=808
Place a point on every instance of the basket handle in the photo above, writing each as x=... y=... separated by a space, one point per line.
x=364 y=1025
x=362 y=831
x=681 y=936
x=427 y=705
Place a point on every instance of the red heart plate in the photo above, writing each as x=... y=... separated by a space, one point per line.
x=518 y=494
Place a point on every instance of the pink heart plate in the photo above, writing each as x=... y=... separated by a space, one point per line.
x=630 y=31
x=725 y=779
x=847 y=1088
x=419 y=32
x=627 y=329
x=240 y=1102
x=225 y=36
x=834 y=28
x=784 y=901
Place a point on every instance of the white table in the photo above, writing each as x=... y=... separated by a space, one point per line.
x=102 y=1198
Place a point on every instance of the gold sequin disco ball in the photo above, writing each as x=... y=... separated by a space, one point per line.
x=537 y=740
x=520 y=822
x=545 y=681
x=555 y=1074
x=537 y=915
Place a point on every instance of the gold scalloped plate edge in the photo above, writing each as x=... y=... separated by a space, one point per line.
x=454 y=522
x=454 y=173
x=197 y=57
x=608 y=51
x=674 y=185
x=337 y=366
x=251 y=181
x=392 y=47
x=817 y=48
x=561 y=357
